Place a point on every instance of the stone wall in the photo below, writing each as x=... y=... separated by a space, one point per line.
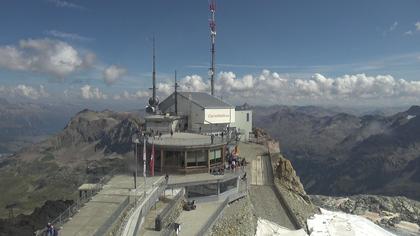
x=172 y=211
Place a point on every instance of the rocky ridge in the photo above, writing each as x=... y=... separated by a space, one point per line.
x=83 y=151
x=344 y=154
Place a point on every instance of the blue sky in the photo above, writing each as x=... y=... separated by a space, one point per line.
x=282 y=42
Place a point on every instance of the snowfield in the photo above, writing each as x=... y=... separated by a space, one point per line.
x=342 y=224
x=328 y=223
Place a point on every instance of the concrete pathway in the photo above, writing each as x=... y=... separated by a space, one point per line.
x=265 y=202
x=193 y=221
x=103 y=206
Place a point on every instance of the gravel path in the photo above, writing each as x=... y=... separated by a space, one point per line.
x=267 y=206
x=238 y=219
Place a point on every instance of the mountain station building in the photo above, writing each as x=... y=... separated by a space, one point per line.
x=191 y=132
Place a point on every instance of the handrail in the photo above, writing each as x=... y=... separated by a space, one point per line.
x=79 y=203
x=213 y=217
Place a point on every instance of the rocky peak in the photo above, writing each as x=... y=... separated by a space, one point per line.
x=287 y=176
x=413 y=111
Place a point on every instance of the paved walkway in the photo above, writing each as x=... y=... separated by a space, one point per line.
x=103 y=206
x=192 y=221
x=148 y=227
x=263 y=198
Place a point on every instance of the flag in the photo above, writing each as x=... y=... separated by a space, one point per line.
x=152 y=161
x=236 y=151
x=144 y=158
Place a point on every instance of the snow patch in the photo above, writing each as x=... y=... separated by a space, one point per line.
x=268 y=228
x=409 y=117
x=342 y=224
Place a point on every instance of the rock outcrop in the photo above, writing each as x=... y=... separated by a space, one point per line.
x=287 y=177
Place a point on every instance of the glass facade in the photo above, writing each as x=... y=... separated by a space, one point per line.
x=201 y=190
x=215 y=156
x=196 y=158
x=228 y=185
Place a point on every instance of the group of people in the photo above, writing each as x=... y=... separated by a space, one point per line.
x=51 y=231
x=154 y=133
x=235 y=162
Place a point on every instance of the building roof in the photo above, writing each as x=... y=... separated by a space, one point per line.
x=161 y=118
x=179 y=139
x=202 y=99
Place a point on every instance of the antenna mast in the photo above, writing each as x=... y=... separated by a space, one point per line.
x=152 y=108
x=154 y=71
x=176 y=96
x=213 y=38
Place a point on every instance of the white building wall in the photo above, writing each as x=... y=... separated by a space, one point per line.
x=243 y=123
x=214 y=120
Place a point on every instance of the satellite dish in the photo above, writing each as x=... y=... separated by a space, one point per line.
x=153 y=102
x=210 y=72
x=150 y=109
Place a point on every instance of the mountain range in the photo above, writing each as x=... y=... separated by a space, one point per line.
x=338 y=153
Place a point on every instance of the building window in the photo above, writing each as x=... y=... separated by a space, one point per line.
x=215 y=156
x=196 y=158
x=247 y=117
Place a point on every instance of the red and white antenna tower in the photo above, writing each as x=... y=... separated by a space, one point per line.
x=213 y=38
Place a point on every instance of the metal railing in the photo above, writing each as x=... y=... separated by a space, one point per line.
x=61 y=219
x=143 y=206
x=167 y=211
x=106 y=226
x=242 y=192
x=213 y=218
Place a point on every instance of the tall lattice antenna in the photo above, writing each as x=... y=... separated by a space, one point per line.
x=212 y=24
x=153 y=101
x=176 y=95
x=154 y=71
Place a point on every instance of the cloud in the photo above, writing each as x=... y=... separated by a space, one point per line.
x=24 y=91
x=112 y=73
x=417 y=25
x=68 y=36
x=140 y=94
x=65 y=4
x=393 y=26
x=89 y=93
x=272 y=88
x=47 y=56
x=408 y=32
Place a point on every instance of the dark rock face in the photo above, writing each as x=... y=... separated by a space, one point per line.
x=90 y=146
x=119 y=138
x=28 y=224
x=343 y=154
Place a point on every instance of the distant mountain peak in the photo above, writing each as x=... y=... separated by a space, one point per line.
x=413 y=110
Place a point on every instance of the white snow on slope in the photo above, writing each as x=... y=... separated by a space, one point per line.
x=342 y=224
x=268 y=228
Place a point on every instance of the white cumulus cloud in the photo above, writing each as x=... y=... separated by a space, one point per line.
x=89 y=92
x=272 y=88
x=47 y=56
x=131 y=96
x=25 y=91
x=112 y=73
